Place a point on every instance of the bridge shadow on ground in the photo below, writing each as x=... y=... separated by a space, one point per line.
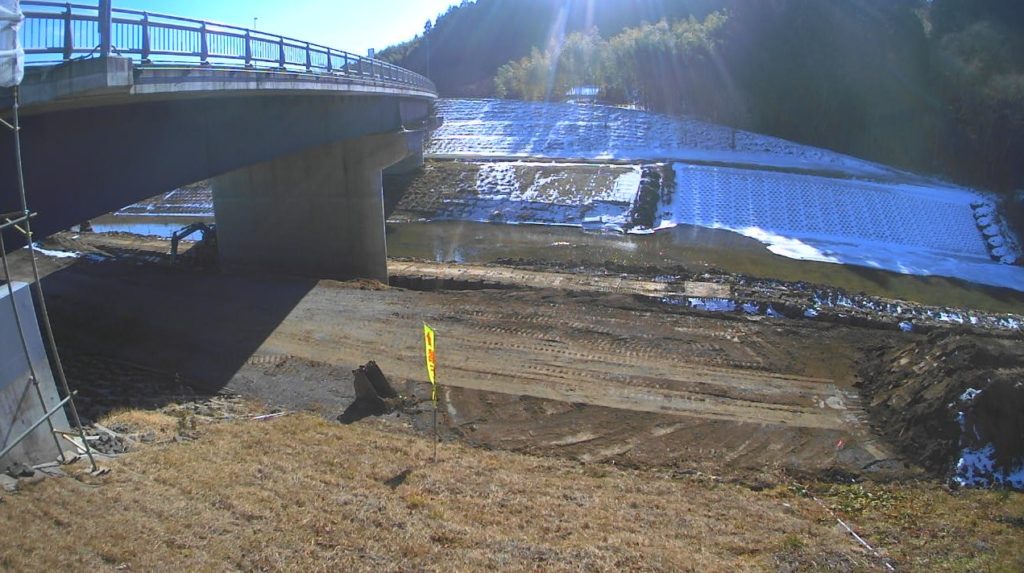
x=145 y=335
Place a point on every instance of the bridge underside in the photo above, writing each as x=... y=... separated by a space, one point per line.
x=287 y=162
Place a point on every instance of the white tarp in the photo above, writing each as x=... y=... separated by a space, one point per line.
x=12 y=58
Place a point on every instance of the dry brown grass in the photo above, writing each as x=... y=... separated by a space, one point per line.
x=928 y=528
x=304 y=494
x=161 y=424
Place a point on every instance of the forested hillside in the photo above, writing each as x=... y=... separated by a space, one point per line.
x=464 y=47
x=936 y=86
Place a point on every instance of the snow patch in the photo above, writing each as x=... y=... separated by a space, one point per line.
x=626 y=186
x=785 y=246
x=976 y=466
x=548 y=194
x=506 y=129
x=910 y=229
x=496 y=181
x=712 y=304
x=55 y=254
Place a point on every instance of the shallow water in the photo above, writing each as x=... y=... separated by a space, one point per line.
x=147 y=226
x=698 y=249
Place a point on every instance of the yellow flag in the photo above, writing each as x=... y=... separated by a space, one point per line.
x=428 y=345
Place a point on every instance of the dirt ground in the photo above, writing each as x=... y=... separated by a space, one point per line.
x=656 y=436
x=594 y=370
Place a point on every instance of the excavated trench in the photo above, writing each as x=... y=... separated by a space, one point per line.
x=433 y=283
x=915 y=394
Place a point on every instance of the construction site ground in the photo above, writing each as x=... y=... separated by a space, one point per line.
x=657 y=436
x=592 y=368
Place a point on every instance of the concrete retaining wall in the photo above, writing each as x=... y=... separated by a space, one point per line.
x=19 y=402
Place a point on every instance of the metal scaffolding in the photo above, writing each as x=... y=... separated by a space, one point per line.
x=21 y=221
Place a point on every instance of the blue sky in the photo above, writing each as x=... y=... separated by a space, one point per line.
x=351 y=25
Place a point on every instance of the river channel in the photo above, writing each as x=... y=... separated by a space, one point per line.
x=697 y=249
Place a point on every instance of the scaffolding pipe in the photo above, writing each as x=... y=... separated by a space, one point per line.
x=47 y=328
x=45 y=418
x=9 y=222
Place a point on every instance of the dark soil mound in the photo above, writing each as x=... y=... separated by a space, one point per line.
x=913 y=395
x=997 y=417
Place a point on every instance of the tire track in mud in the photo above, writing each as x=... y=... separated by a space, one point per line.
x=616 y=348
x=615 y=327
x=726 y=383
x=641 y=399
x=575 y=355
x=612 y=357
x=644 y=348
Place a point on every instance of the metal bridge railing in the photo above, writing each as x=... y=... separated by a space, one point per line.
x=55 y=32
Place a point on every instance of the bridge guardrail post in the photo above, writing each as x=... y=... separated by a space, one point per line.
x=69 y=35
x=146 y=47
x=106 y=27
x=248 y=48
x=280 y=53
x=204 y=46
x=330 y=65
x=309 y=59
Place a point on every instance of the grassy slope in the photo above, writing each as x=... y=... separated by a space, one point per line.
x=302 y=493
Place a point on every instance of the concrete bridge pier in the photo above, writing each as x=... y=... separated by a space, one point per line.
x=412 y=162
x=317 y=213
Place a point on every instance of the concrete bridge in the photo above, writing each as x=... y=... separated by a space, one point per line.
x=120 y=105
